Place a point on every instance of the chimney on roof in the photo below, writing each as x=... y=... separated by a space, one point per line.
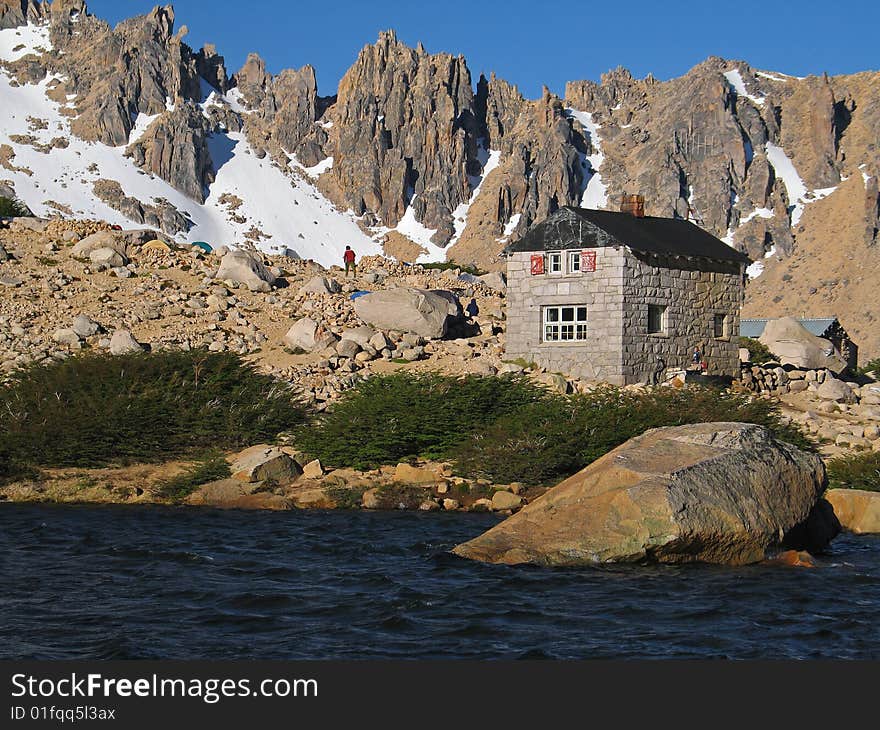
x=634 y=205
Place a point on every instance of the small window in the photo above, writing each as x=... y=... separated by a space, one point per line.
x=555 y=262
x=565 y=324
x=719 y=326
x=656 y=319
x=574 y=262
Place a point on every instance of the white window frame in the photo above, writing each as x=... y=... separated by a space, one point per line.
x=558 y=255
x=556 y=329
x=574 y=262
x=664 y=320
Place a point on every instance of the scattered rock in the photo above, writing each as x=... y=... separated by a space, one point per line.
x=836 y=390
x=123 y=342
x=263 y=462
x=85 y=326
x=505 y=500
x=321 y=285
x=247 y=269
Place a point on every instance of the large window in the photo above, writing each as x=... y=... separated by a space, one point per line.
x=565 y=324
x=657 y=323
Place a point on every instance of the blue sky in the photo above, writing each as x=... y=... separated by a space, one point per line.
x=534 y=43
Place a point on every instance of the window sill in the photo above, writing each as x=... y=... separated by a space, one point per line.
x=566 y=343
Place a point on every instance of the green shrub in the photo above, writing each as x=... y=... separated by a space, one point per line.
x=13 y=208
x=550 y=440
x=392 y=418
x=759 y=353
x=857 y=471
x=872 y=366
x=210 y=468
x=94 y=410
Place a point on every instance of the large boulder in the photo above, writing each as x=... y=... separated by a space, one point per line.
x=321 y=285
x=108 y=258
x=123 y=343
x=85 y=326
x=716 y=492
x=307 y=335
x=857 y=509
x=836 y=390
x=100 y=240
x=794 y=345
x=259 y=463
x=247 y=269
x=495 y=280
x=363 y=336
x=426 y=313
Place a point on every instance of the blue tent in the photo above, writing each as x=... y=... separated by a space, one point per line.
x=206 y=247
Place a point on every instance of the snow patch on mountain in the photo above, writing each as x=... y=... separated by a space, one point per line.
x=794 y=184
x=595 y=193
x=735 y=79
x=489 y=160
x=141 y=125
x=420 y=234
x=511 y=226
x=16 y=43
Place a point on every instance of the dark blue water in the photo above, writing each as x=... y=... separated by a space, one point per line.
x=149 y=583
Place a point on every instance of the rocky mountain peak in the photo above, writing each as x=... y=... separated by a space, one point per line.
x=252 y=74
x=405 y=133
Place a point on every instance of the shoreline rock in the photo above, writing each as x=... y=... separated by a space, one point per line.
x=857 y=509
x=719 y=493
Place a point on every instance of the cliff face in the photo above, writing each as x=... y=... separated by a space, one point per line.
x=760 y=159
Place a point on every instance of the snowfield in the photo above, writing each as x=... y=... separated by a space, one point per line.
x=595 y=194
x=287 y=210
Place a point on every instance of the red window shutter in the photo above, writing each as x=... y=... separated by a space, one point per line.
x=588 y=260
x=537 y=264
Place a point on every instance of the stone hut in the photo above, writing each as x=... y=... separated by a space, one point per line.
x=623 y=297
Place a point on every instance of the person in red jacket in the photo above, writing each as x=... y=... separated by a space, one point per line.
x=349 y=259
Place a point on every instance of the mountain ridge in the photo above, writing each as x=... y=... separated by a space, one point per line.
x=413 y=154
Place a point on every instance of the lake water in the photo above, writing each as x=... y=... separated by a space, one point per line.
x=156 y=583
